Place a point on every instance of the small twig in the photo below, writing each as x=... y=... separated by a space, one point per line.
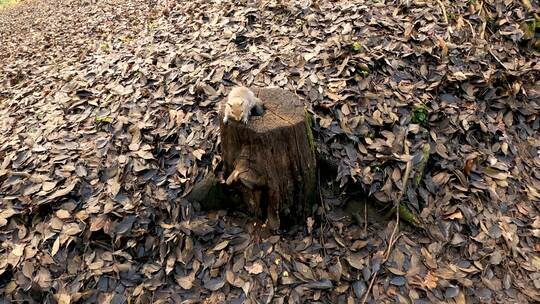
x=481 y=9
x=324 y=213
x=370 y=286
x=387 y=254
x=483 y=30
x=443 y=11
x=497 y=58
x=472 y=28
x=398 y=201
x=393 y=239
x=365 y=217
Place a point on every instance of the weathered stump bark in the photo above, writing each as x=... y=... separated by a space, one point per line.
x=271 y=160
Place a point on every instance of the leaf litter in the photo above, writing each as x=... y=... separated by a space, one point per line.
x=108 y=119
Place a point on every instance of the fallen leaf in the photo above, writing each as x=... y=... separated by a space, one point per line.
x=430 y=281
x=455 y=216
x=254 y=268
x=356 y=260
x=63 y=214
x=186 y=282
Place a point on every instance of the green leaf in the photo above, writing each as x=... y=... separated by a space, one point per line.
x=105 y=119
x=420 y=114
x=356 y=46
x=362 y=69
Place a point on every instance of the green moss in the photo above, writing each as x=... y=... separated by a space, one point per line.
x=311 y=198
x=309 y=126
x=404 y=214
x=529 y=28
x=408 y=216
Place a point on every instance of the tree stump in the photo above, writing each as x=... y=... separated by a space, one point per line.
x=271 y=160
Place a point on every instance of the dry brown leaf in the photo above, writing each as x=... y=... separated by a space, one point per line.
x=356 y=260
x=63 y=214
x=455 y=216
x=18 y=250
x=186 y=282
x=145 y=154
x=198 y=154
x=254 y=268
x=221 y=246
x=48 y=186
x=63 y=298
x=94 y=117
x=71 y=229
x=55 y=247
x=468 y=166
x=430 y=281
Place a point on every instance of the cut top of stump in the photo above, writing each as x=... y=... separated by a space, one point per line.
x=281 y=109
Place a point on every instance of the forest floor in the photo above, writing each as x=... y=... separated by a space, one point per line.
x=108 y=118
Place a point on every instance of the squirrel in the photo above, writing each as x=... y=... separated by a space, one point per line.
x=239 y=104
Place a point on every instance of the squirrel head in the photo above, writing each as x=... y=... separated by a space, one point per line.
x=236 y=105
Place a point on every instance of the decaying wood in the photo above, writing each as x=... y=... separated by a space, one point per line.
x=271 y=160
